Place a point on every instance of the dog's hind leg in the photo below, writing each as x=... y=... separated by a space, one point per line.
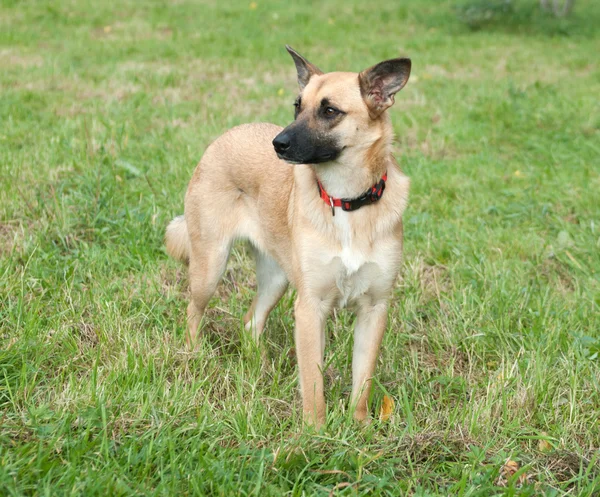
x=207 y=265
x=272 y=283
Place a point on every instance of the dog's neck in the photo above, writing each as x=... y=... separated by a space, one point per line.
x=355 y=171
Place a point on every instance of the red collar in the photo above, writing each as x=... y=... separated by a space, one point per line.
x=369 y=197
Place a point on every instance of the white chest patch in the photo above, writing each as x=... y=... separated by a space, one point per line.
x=352 y=257
x=355 y=274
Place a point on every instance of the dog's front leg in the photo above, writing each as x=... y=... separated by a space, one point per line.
x=370 y=326
x=310 y=347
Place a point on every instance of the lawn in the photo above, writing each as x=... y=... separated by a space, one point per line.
x=492 y=355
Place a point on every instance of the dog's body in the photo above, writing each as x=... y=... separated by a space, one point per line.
x=242 y=190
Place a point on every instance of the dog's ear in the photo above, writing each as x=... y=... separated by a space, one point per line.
x=305 y=69
x=380 y=83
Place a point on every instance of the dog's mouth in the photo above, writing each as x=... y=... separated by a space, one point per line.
x=289 y=160
x=318 y=159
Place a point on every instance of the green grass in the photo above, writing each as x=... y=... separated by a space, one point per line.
x=494 y=334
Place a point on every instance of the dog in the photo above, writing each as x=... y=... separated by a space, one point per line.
x=321 y=203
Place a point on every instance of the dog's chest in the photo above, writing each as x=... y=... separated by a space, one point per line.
x=352 y=254
x=355 y=265
x=351 y=265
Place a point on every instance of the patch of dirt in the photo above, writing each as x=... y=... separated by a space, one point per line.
x=131 y=30
x=12 y=58
x=81 y=90
x=12 y=235
x=436 y=445
x=436 y=362
x=87 y=334
x=431 y=145
x=434 y=280
x=239 y=278
x=557 y=274
x=173 y=281
x=565 y=465
x=435 y=71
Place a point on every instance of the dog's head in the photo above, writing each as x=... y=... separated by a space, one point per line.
x=338 y=111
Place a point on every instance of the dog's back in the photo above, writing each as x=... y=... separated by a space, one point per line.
x=239 y=189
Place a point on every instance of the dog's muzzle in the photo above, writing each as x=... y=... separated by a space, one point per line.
x=296 y=146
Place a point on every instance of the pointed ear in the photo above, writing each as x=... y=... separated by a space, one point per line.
x=380 y=83
x=305 y=69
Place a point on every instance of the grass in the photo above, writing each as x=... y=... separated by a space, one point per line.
x=493 y=347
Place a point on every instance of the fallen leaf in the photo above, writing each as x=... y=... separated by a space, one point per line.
x=107 y=29
x=543 y=444
x=507 y=471
x=518 y=174
x=253 y=5
x=387 y=407
x=509 y=468
x=280 y=92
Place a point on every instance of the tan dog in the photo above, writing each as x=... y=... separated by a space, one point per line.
x=324 y=224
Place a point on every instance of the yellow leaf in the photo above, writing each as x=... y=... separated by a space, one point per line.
x=518 y=174
x=253 y=5
x=280 y=92
x=387 y=407
x=107 y=29
x=543 y=444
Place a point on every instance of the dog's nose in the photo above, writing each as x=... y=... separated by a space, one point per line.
x=281 y=142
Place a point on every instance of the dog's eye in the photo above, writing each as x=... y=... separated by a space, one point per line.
x=330 y=111
x=297 y=104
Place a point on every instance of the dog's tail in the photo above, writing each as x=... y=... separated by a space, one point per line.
x=177 y=240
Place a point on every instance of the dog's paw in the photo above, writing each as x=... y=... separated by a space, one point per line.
x=314 y=422
x=362 y=419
